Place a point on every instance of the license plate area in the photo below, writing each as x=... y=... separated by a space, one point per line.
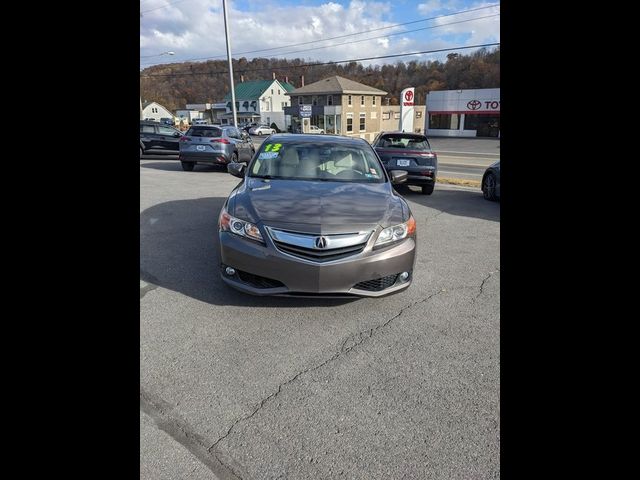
x=402 y=162
x=200 y=148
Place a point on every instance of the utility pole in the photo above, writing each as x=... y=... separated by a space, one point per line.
x=233 y=91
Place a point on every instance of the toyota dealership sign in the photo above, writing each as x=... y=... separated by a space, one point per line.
x=481 y=101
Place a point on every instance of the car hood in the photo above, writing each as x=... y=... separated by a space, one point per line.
x=317 y=206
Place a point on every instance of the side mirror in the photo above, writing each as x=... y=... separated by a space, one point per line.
x=398 y=176
x=236 y=169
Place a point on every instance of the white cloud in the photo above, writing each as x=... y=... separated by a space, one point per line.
x=432 y=6
x=194 y=29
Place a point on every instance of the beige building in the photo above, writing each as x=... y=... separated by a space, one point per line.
x=338 y=106
x=390 y=118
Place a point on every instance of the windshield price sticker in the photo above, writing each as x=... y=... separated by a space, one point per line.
x=268 y=155
x=272 y=147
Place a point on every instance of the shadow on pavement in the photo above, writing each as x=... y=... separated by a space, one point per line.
x=179 y=251
x=465 y=203
x=175 y=166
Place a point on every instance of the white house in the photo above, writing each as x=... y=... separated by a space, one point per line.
x=261 y=101
x=155 y=111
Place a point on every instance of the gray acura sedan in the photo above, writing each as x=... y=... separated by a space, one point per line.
x=316 y=216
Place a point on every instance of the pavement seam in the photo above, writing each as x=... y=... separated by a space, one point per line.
x=157 y=409
x=362 y=336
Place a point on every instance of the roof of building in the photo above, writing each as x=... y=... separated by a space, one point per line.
x=337 y=84
x=253 y=89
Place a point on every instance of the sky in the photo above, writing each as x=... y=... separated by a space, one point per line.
x=194 y=29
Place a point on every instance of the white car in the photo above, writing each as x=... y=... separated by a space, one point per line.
x=314 y=129
x=262 y=130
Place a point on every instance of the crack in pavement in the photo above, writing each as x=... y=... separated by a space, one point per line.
x=177 y=429
x=484 y=281
x=362 y=336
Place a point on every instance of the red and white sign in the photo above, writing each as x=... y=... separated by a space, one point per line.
x=408 y=98
x=406 y=109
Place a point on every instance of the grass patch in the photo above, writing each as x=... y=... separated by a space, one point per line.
x=458 y=181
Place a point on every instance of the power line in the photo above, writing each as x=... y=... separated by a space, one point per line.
x=387 y=35
x=177 y=74
x=164 y=6
x=347 y=35
x=379 y=36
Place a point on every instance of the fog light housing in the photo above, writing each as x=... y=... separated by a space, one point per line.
x=404 y=276
x=230 y=271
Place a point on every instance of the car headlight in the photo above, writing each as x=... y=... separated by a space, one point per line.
x=229 y=223
x=396 y=233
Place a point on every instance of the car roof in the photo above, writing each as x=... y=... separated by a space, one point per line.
x=324 y=139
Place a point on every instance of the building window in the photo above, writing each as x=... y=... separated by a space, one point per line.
x=349 y=122
x=418 y=114
x=314 y=100
x=300 y=101
x=278 y=91
x=373 y=100
x=272 y=91
x=386 y=115
x=439 y=121
x=349 y=100
x=362 y=121
x=396 y=115
x=362 y=101
x=374 y=115
x=329 y=99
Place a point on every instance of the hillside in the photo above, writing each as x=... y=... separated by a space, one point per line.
x=174 y=85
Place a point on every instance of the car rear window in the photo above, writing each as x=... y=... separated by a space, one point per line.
x=409 y=142
x=204 y=132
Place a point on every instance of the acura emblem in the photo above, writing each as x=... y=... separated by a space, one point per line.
x=321 y=242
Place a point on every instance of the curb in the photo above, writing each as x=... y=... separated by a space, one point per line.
x=458 y=181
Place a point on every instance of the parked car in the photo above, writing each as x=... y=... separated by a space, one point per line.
x=214 y=145
x=314 y=129
x=412 y=153
x=156 y=138
x=316 y=216
x=246 y=126
x=491 y=182
x=262 y=130
x=167 y=121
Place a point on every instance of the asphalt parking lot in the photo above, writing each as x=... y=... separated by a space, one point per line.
x=235 y=386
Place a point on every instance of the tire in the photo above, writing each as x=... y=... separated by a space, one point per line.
x=188 y=166
x=234 y=158
x=273 y=132
x=489 y=187
x=428 y=189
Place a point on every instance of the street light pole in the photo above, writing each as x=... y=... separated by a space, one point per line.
x=148 y=56
x=233 y=90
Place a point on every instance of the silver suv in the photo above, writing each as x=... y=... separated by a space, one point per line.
x=214 y=145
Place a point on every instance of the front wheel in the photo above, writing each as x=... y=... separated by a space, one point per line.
x=428 y=189
x=188 y=166
x=489 y=187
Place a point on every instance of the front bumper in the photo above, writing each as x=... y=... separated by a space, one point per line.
x=293 y=276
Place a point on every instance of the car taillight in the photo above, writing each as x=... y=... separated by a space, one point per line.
x=185 y=139
x=220 y=140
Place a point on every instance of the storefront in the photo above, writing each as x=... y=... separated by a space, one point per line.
x=463 y=113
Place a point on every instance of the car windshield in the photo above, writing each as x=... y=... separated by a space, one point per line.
x=321 y=161
x=409 y=142
x=204 y=132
